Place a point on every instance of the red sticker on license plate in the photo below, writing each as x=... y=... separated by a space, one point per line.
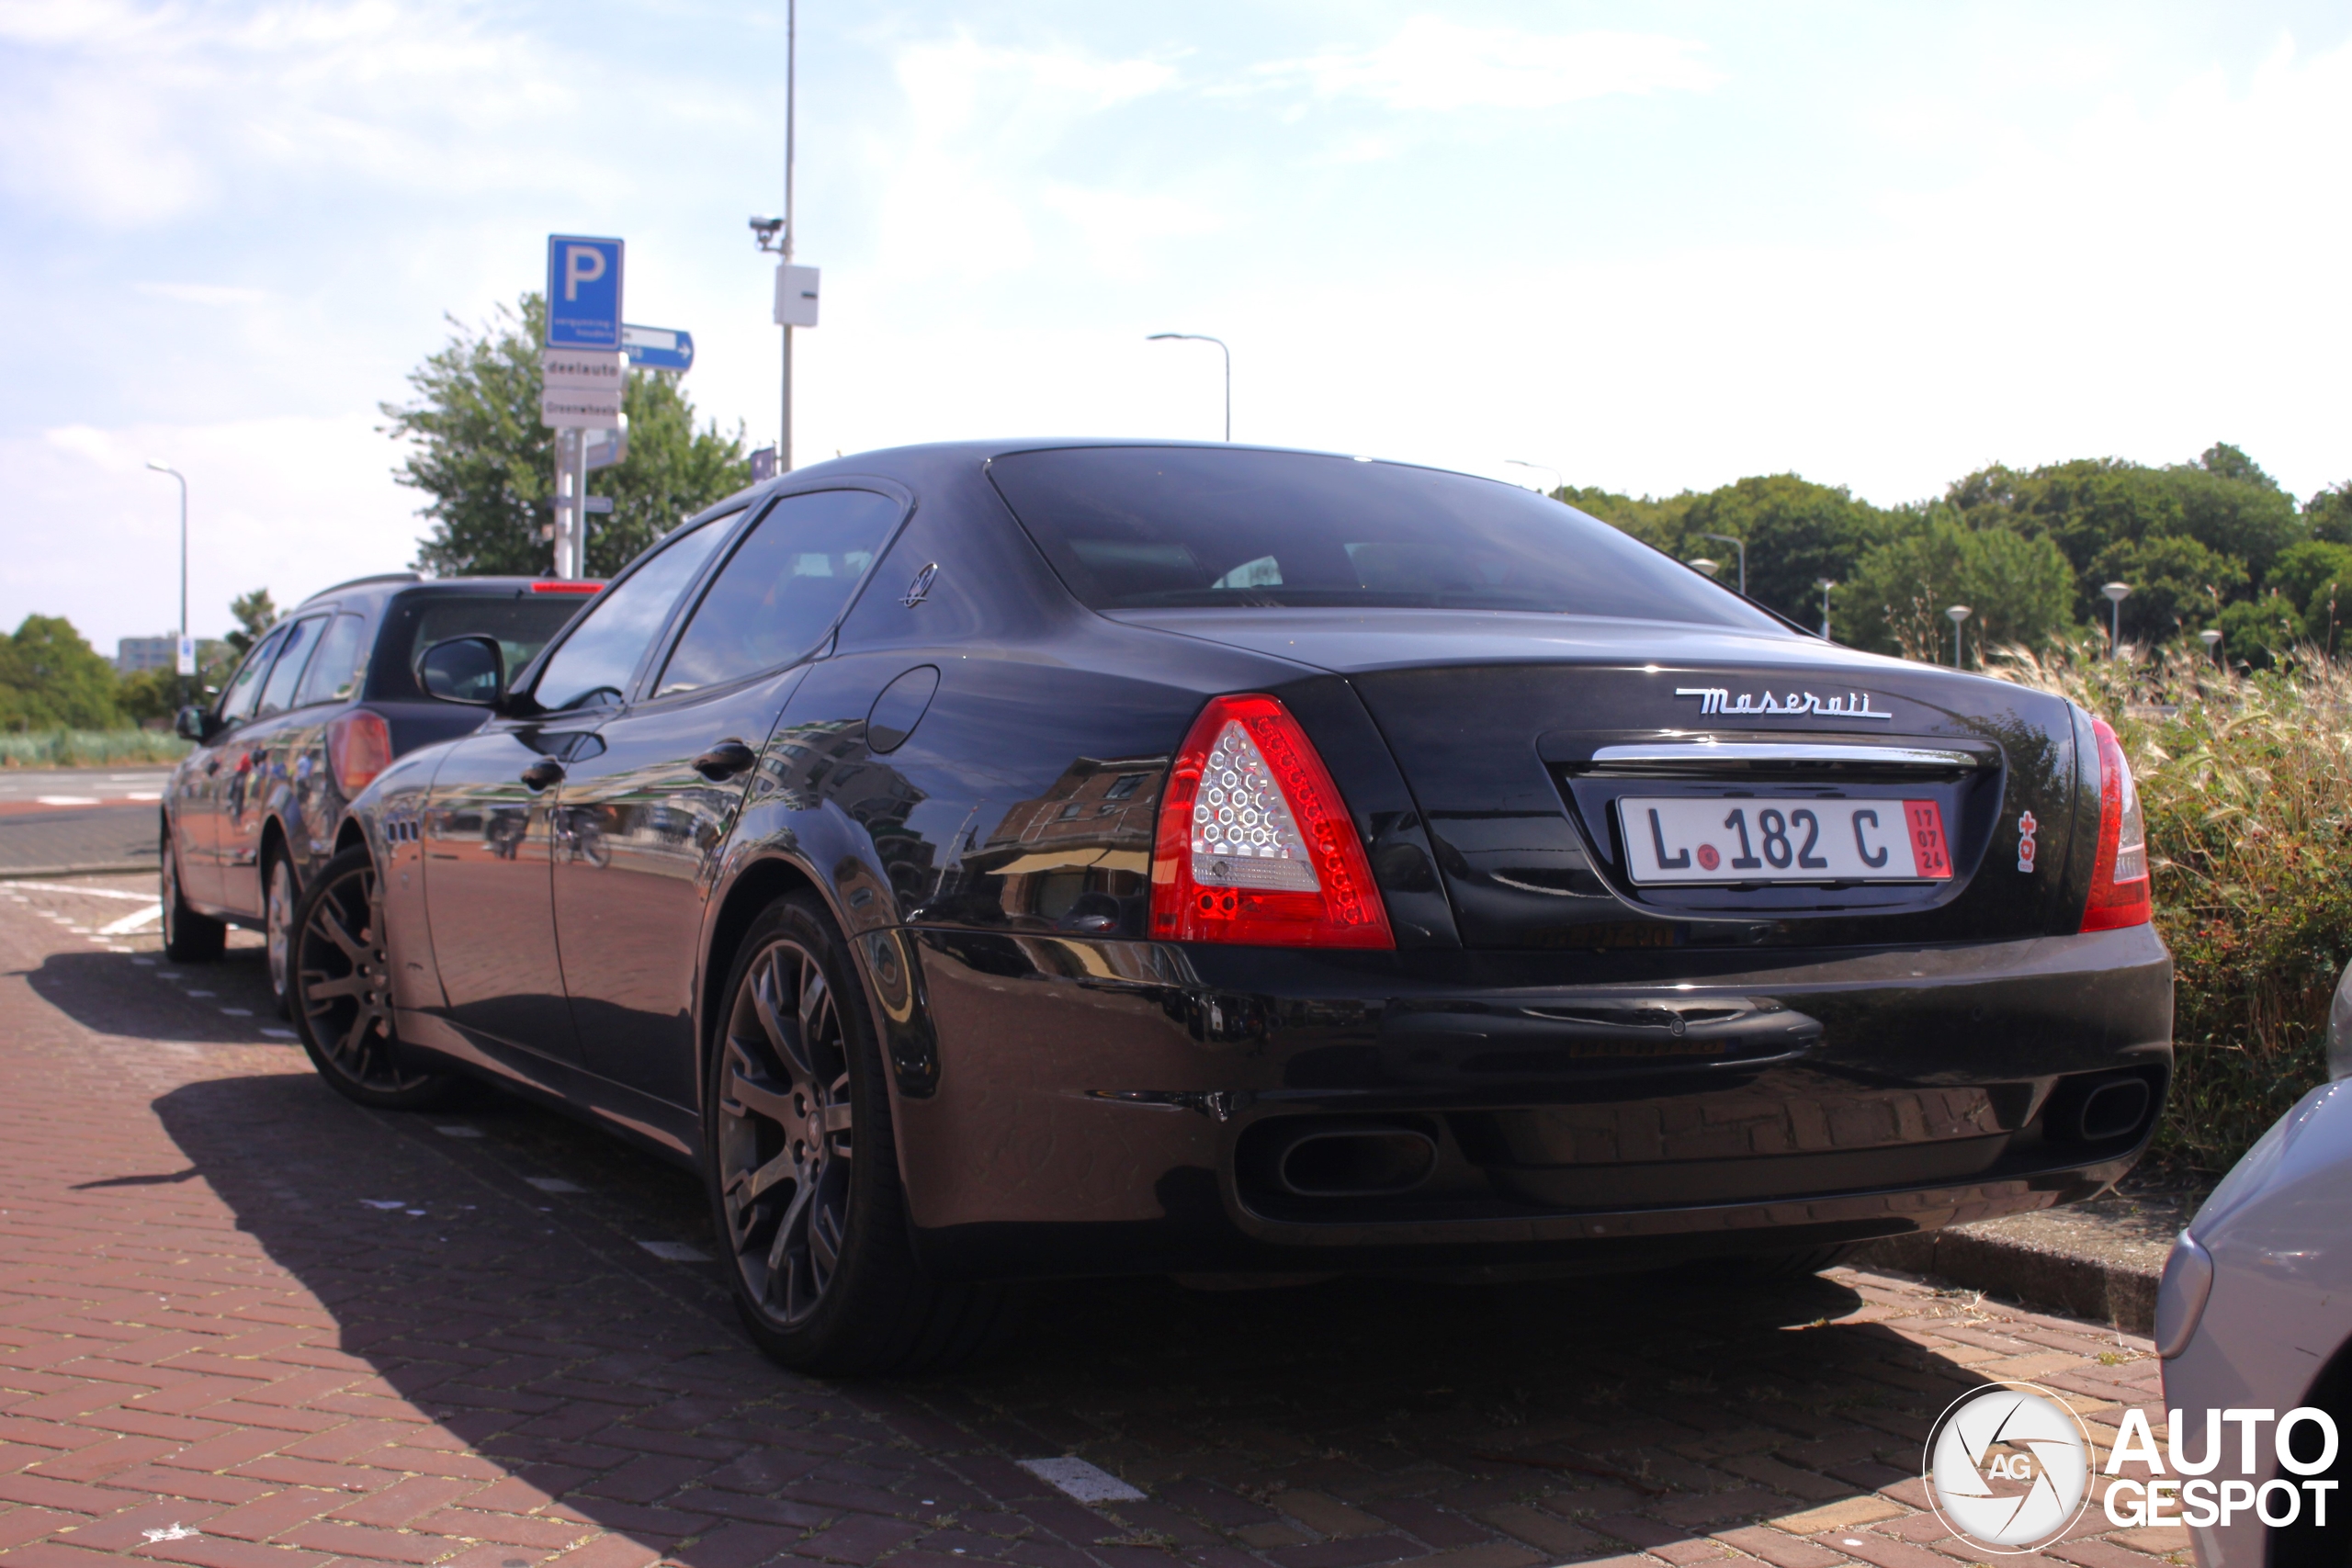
x=1927 y=851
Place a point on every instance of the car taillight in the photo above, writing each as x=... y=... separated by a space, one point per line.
x=2120 y=876
x=568 y=585
x=1255 y=844
x=359 y=746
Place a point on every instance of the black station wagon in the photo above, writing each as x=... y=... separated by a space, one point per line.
x=325 y=700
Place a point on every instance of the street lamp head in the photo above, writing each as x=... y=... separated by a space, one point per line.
x=2208 y=637
x=2117 y=592
x=1701 y=564
x=1824 y=583
x=162 y=467
x=1958 y=612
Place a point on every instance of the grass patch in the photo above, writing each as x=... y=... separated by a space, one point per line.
x=90 y=748
x=2247 y=781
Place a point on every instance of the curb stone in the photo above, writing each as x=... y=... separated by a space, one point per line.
x=2101 y=1290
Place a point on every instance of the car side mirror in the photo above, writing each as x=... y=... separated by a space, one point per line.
x=194 y=724
x=469 y=669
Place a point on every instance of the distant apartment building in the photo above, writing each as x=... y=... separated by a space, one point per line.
x=132 y=654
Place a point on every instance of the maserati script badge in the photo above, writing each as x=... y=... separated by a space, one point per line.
x=1715 y=699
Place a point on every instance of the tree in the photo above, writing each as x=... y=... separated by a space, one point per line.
x=1797 y=532
x=2328 y=514
x=487 y=465
x=255 y=613
x=2317 y=577
x=2257 y=632
x=2177 y=585
x=51 y=678
x=2232 y=508
x=2018 y=589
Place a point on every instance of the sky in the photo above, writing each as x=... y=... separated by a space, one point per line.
x=1649 y=247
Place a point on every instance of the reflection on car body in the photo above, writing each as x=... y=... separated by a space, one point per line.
x=990 y=863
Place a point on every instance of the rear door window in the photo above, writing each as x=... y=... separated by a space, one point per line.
x=339 y=665
x=593 y=666
x=782 y=590
x=237 y=703
x=1159 y=527
x=277 y=693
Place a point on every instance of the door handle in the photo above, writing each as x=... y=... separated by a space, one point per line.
x=540 y=774
x=725 y=760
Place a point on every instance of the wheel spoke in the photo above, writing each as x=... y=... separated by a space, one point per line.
x=795 y=1218
x=324 y=922
x=328 y=990
x=749 y=1187
x=758 y=1098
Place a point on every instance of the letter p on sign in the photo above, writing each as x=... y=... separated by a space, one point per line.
x=583 y=292
x=582 y=264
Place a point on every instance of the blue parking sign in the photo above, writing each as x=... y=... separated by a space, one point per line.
x=583 y=292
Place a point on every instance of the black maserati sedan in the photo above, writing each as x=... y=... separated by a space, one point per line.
x=996 y=863
x=315 y=710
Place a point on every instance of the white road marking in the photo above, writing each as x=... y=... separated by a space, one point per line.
x=1088 y=1483
x=85 y=892
x=554 y=1184
x=280 y=1033
x=459 y=1131
x=385 y=1203
x=133 y=921
x=238 y=1012
x=65 y=799
x=675 y=1252
x=143 y=794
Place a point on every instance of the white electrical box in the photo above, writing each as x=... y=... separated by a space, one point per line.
x=796 y=296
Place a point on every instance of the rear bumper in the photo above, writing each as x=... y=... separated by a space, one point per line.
x=1069 y=1107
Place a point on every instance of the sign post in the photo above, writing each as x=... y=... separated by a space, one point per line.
x=582 y=366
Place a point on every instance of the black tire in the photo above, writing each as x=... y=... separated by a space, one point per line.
x=189 y=937
x=340 y=982
x=279 y=895
x=803 y=1170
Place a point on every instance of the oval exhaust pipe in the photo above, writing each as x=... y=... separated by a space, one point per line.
x=2113 y=1109
x=1356 y=1162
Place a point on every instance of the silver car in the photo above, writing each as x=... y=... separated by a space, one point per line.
x=2253 y=1320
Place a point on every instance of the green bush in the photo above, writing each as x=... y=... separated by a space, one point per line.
x=2247 y=781
x=90 y=748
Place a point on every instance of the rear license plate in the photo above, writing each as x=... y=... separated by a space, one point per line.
x=1688 y=839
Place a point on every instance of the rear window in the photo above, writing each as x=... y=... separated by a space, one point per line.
x=1146 y=527
x=523 y=624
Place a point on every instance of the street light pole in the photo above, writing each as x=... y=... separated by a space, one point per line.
x=1203 y=337
x=1742 y=544
x=791 y=70
x=1825 y=584
x=1959 y=613
x=182 y=632
x=2116 y=594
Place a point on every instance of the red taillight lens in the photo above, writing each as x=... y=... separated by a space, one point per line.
x=2120 y=878
x=1255 y=844
x=567 y=585
x=359 y=746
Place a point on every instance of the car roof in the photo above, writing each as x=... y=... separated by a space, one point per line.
x=386 y=585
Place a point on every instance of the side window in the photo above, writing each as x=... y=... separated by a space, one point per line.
x=245 y=690
x=593 y=666
x=277 y=693
x=336 y=668
x=782 y=589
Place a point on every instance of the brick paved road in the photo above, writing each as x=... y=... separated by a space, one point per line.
x=244 y=1323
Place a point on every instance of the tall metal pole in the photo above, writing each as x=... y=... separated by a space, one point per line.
x=1727 y=539
x=164 y=469
x=791 y=64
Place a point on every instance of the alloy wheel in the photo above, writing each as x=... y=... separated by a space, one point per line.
x=786 y=1137
x=344 y=983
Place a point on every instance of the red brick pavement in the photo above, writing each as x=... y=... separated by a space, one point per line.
x=222 y=1342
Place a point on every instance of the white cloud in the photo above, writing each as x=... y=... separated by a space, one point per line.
x=1434 y=64
x=294 y=503
x=203 y=293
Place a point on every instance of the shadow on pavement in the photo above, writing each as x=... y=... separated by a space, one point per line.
x=532 y=1326
x=115 y=993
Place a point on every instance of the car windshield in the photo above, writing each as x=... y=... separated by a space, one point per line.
x=1155 y=527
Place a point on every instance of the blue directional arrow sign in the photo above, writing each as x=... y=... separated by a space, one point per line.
x=659 y=348
x=583 y=292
